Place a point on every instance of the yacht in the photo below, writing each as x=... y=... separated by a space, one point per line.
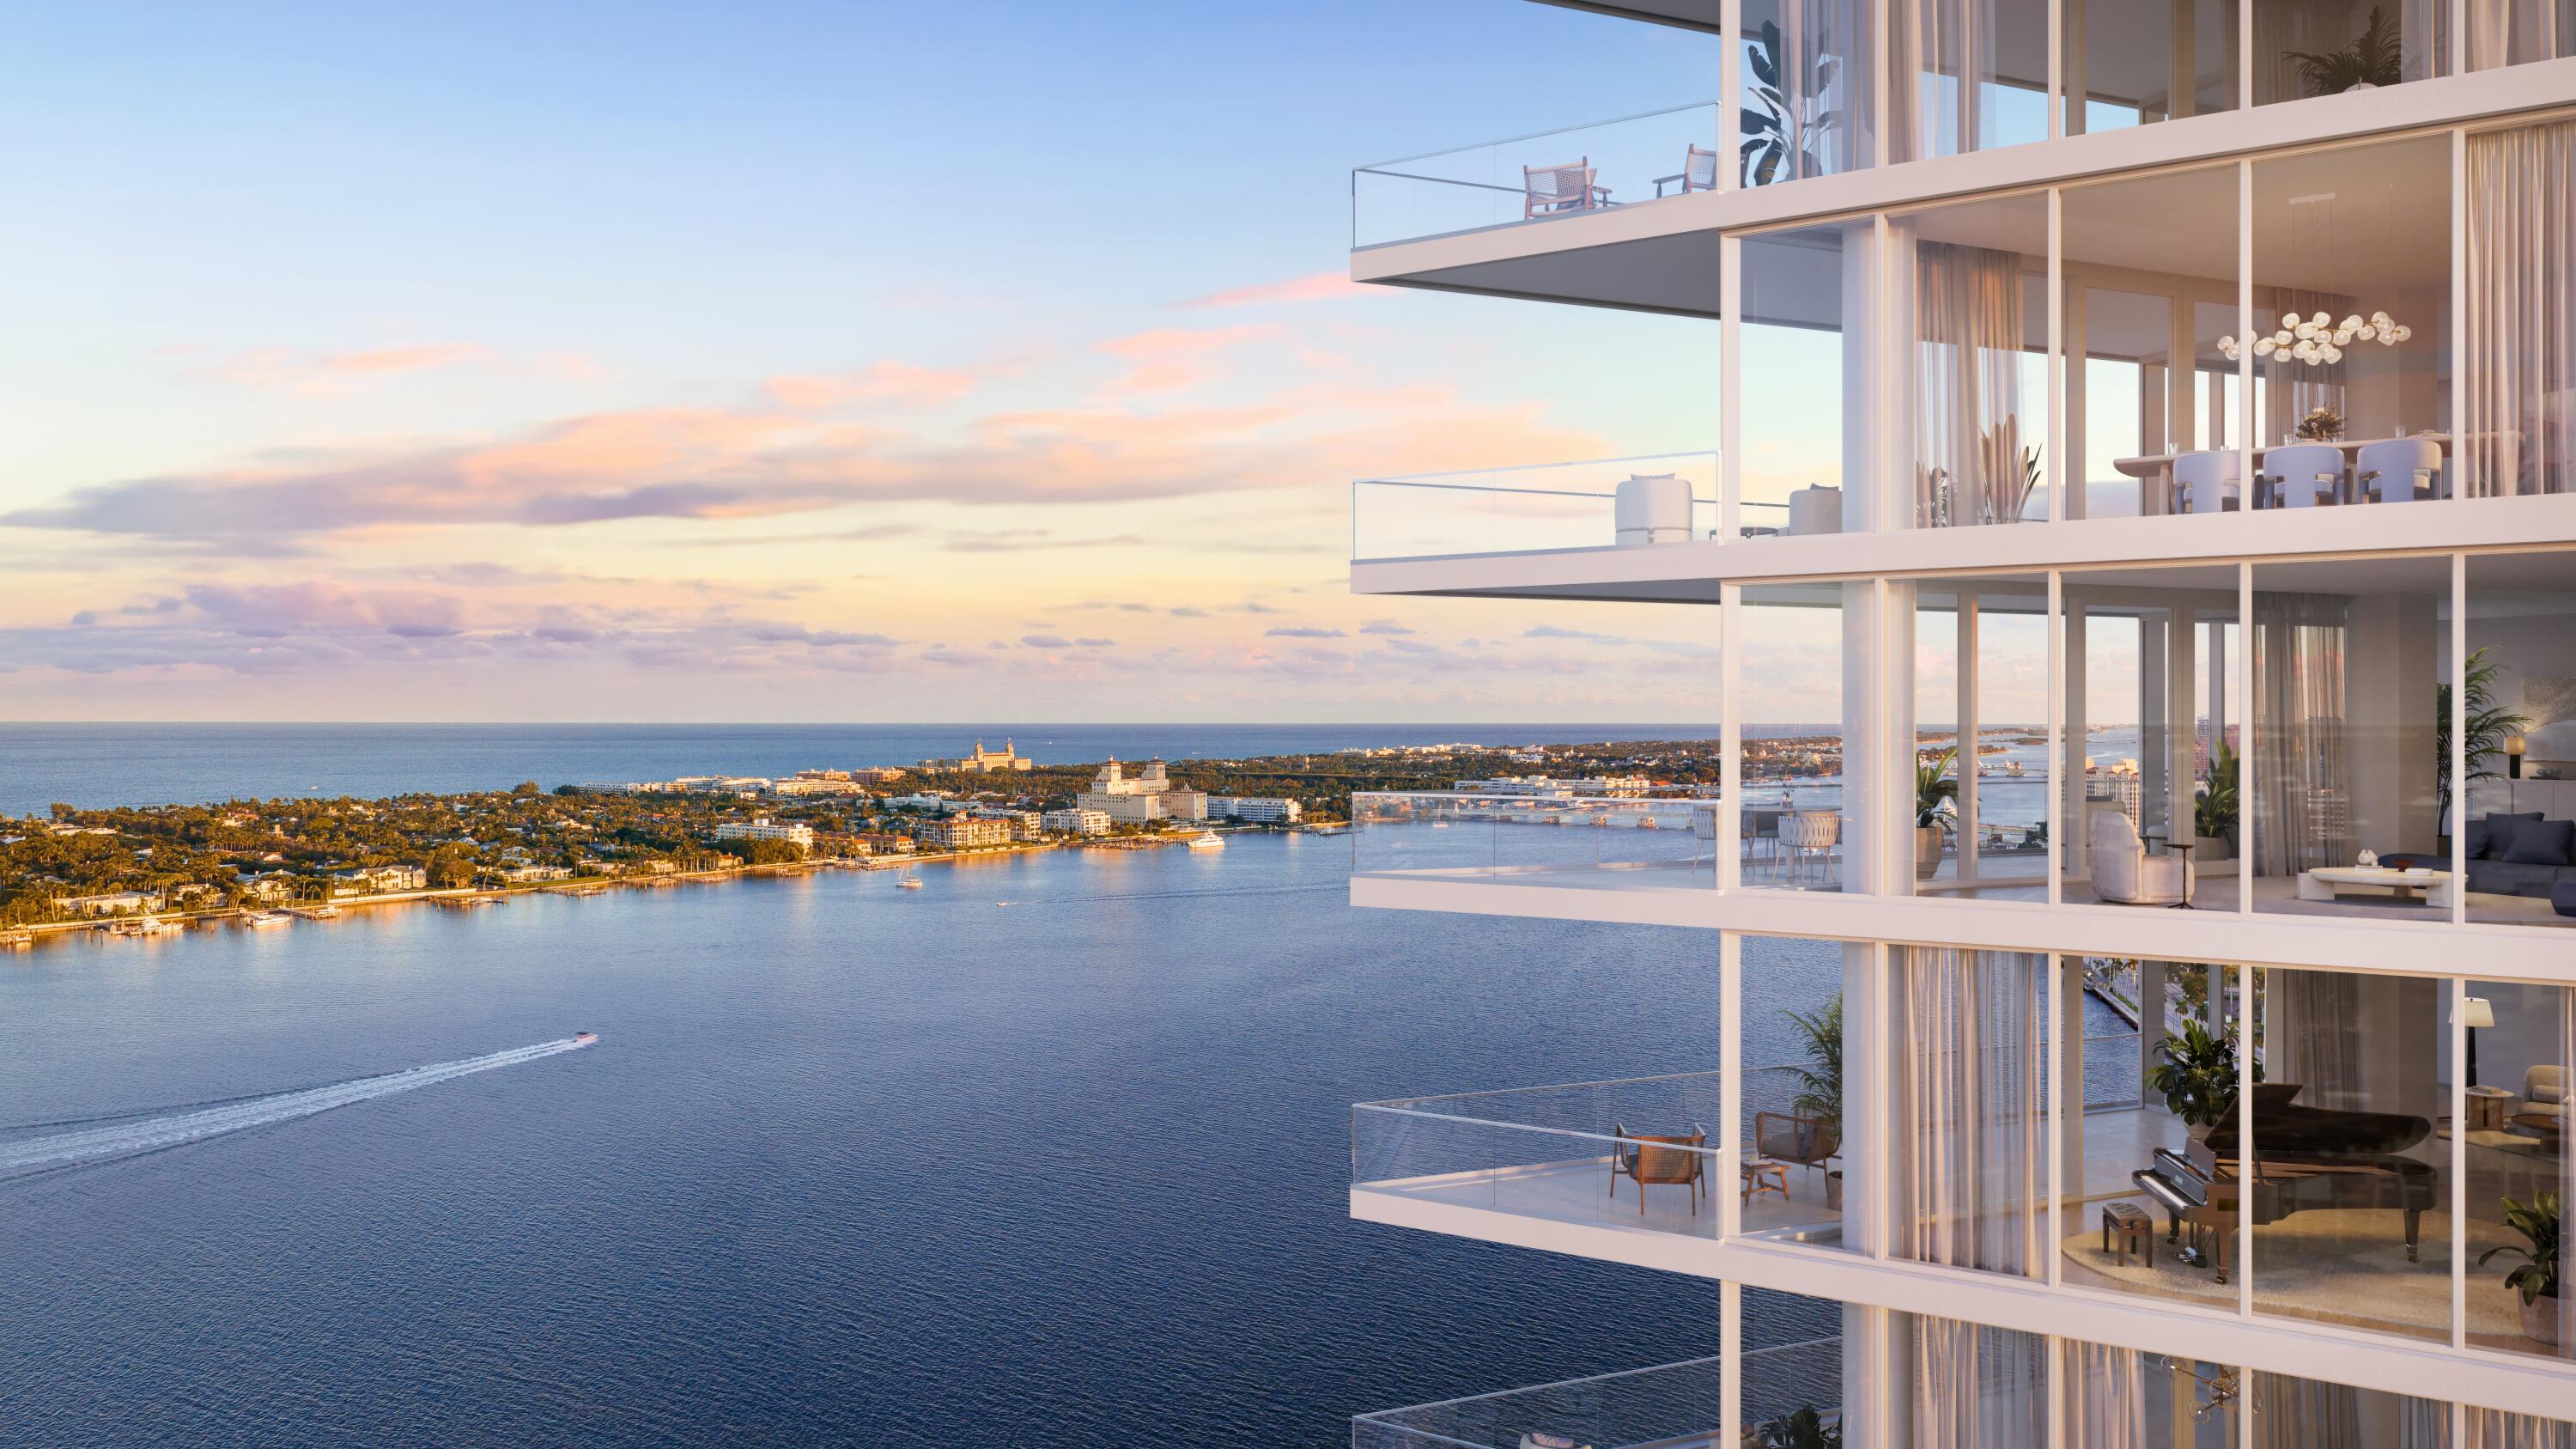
x=1207 y=840
x=907 y=881
x=262 y=920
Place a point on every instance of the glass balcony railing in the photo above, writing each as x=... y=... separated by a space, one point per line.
x=1674 y=1406
x=1594 y=841
x=1605 y=503
x=1568 y=1153
x=1550 y=176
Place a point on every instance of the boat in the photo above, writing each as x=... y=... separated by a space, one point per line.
x=17 y=940
x=262 y=920
x=322 y=912
x=584 y=1038
x=907 y=881
x=1207 y=840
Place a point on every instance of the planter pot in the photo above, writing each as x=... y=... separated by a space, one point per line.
x=1834 y=1200
x=2540 y=1320
x=2212 y=847
x=1927 y=850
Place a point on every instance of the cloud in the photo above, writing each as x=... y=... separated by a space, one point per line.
x=1307 y=631
x=1384 y=627
x=1552 y=631
x=1313 y=287
x=1168 y=359
x=1088 y=642
x=886 y=381
x=1045 y=641
x=332 y=374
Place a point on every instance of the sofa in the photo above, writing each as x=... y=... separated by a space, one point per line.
x=2524 y=854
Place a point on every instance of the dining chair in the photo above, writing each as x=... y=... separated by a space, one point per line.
x=1811 y=835
x=2398 y=470
x=2306 y=475
x=1698 y=173
x=2206 y=481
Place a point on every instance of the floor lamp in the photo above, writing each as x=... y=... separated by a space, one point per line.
x=2475 y=1012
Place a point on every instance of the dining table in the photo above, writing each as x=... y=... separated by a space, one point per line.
x=2158 y=493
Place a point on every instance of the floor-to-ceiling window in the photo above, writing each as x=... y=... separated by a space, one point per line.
x=1810 y=89
x=2516 y=32
x=2518 y=411
x=1803 y=733
x=2514 y=813
x=2137 y=62
x=1802 y=378
x=1972 y=304
x=1966 y=75
x=2520 y=1042
x=2306 y=48
x=1976 y=758
x=1967 y=1138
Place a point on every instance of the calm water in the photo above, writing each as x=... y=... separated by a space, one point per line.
x=159 y=764
x=849 y=1164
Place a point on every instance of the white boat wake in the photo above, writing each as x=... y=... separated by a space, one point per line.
x=150 y=1134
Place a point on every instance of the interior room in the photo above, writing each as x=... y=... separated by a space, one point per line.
x=1978 y=753
x=2520 y=1042
x=1798 y=818
x=1807 y=307
x=1975 y=400
x=2521 y=740
x=2137 y=62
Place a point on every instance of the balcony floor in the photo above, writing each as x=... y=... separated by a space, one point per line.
x=1578 y=1192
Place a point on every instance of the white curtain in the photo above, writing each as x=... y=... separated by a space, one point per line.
x=2296 y=1413
x=1970 y=1116
x=2302 y=767
x=2496 y=1429
x=2312 y=1028
x=1970 y=331
x=1976 y=1387
x=1825 y=85
x=2519 y=421
x=2516 y=32
x=2106 y=1396
x=1940 y=77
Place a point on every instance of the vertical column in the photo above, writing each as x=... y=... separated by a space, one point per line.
x=1730 y=98
x=2155 y=721
x=1730 y=1084
x=2459 y=723
x=1730 y=736
x=2182 y=726
x=2456 y=1016
x=2077 y=495
x=2072 y=786
x=2455 y=477
x=1730 y=404
x=2246 y=724
x=2246 y=1020
x=2151 y=1017
x=1867 y=745
x=2058 y=474
x=2056 y=732
x=1867 y=1064
x=1970 y=714
x=2249 y=488
x=2058 y=1143
x=2182 y=75
x=2065 y=69
x=1730 y=1357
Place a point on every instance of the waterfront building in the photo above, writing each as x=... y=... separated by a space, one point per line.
x=1142 y=798
x=818 y=782
x=878 y=774
x=1597 y=786
x=109 y=903
x=962 y=832
x=761 y=827
x=379 y=880
x=1076 y=821
x=1003 y=761
x=935 y=802
x=531 y=874
x=2205 y=368
x=1260 y=809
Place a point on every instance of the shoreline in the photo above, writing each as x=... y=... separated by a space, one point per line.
x=18 y=939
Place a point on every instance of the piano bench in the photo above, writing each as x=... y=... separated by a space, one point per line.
x=2134 y=1229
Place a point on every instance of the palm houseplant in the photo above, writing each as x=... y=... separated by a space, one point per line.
x=2489 y=725
x=2376 y=57
x=2537 y=1279
x=2214 y=813
x=1936 y=800
x=1782 y=133
x=2197 y=1077
x=1820 y=1081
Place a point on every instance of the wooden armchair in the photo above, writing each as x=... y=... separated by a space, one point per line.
x=1698 y=173
x=1643 y=1159
x=1810 y=1142
x=1548 y=189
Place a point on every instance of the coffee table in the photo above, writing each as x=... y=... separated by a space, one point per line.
x=2547 y=1126
x=2433 y=887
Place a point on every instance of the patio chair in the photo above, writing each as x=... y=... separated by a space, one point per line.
x=1550 y=189
x=1643 y=1159
x=1810 y=837
x=1698 y=173
x=1762 y=835
x=2398 y=470
x=1810 y=1142
x=2304 y=476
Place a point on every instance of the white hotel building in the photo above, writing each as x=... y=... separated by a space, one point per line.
x=2075 y=358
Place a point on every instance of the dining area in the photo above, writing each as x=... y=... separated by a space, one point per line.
x=1792 y=845
x=2316 y=473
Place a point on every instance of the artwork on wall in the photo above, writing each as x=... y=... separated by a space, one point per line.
x=2551 y=704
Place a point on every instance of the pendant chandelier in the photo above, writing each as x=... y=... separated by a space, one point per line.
x=2320 y=340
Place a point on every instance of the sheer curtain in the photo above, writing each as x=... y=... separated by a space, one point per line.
x=1970 y=1115
x=2514 y=32
x=1970 y=328
x=2312 y=1026
x=2106 y=1396
x=1975 y=1387
x=2302 y=765
x=1825 y=87
x=2519 y=422
x=1940 y=77
x=2296 y=1413
x=2496 y=1429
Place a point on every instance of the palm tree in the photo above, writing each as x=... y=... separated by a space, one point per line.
x=2488 y=725
x=2372 y=60
x=1820 y=1082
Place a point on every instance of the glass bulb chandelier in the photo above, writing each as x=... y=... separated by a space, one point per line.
x=2319 y=340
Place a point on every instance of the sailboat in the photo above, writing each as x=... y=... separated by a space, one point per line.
x=907 y=881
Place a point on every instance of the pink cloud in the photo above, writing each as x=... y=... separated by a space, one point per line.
x=1168 y=359
x=883 y=382
x=1313 y=287
x=381 y=360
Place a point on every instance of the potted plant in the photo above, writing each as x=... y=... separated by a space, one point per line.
x=2537 y=1279
x=1805 y=1429
x=2375 y=58
x=2489 y=725
x=1772 y=136
x=2198 y=1076
x=1936 y=796
x=2214 y=813
x=1820 y=1081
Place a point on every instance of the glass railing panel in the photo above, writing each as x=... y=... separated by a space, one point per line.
x=1793 y=834
x=1792 y=1394
x=1783 y=1129
x=1637 y=1154
x=1526 y=180
x=1635 y=502
x=1680 y=1405
x=1605 y=840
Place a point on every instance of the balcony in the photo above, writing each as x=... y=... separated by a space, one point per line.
x=1539 y=508
x=1569 y=1154
x=1604 y=843
x=1549 y=177
x=1675 y=1406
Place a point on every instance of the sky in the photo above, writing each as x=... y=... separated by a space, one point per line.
x=775 y=362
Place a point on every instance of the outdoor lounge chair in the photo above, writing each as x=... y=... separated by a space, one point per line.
x=1642 y=1160
x=1810 y=1142
x=1549 y=189
x=1698 y=173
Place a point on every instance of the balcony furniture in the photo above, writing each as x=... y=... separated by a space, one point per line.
x=1815 y=509
x=2124 y=874
x=2398 y=470
x=2304 y=476
x=2152 y=467
x=1755 y=1175
x=1547 y=190
x=1761 y=826
x=2207 y=482
x=1672 y=1160
x=2544 y=1090
x=2433 y=887
x=2486 y=1108
x=1810 y=1142
x=1652 y=508
x=1810 y=837
x=2562 y=897
x=2128 y=1225
x=1698 y=173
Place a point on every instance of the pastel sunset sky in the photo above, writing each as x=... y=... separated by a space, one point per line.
x=829 y=362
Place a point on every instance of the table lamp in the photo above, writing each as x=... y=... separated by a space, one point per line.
x=2475 y=1012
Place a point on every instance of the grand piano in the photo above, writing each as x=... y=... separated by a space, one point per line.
x=2304 y=1157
